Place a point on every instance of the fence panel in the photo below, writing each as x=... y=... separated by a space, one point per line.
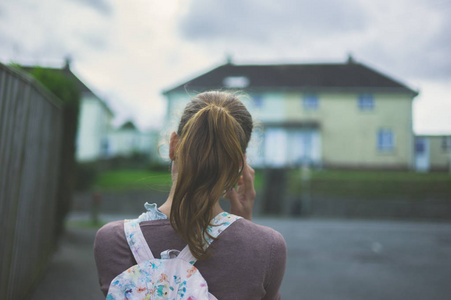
x=30 y=146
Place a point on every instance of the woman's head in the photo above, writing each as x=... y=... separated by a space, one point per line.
x=213 y=135
x=227 y=102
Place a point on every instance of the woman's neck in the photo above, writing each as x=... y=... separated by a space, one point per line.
x=165 y=208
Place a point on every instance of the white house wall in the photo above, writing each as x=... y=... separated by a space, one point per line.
x=93 y=125
x=272 y=108
x=176 y=104
x=127 y=142
x=122 y=142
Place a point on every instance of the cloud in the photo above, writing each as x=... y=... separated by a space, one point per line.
x=436 y=54
x=130 y=51
x=412 y=39
x=50 y=30
x=263 y=21
x=102 y=6
x=94 y=39
x=409 y=38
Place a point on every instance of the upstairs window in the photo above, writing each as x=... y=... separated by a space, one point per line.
x=310 y=102
x=366 y=102
x=258 y=101
x=385 y=140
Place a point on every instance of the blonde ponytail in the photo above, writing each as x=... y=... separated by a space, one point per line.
x=213 y=135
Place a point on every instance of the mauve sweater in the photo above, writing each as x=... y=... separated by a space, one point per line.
x=248 y=260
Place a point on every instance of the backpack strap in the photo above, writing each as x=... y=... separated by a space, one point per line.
x=136 y=241
x=216 y=227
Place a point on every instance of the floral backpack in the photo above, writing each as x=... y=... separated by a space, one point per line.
x=173 y=277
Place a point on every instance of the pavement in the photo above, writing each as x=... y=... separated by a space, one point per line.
x=327 y=259
x=72 y=274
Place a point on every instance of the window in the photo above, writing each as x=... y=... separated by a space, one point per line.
x=366 y=102
x=310 y=102
x=258 y=101
x=446 y=143
x=420 y=146
x=385 y=140
x=105 y=147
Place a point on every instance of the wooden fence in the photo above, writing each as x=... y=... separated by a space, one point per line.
x=30 y=143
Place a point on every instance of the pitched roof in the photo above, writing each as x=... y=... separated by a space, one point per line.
x=68 y=73
x=350 y=75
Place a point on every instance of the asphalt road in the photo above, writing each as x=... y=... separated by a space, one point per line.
x=327 y=259
x=336 y=259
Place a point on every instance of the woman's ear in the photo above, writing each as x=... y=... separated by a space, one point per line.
x=173 y=144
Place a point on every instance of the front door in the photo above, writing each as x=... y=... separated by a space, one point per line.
x=292 y=147
x=422 y=163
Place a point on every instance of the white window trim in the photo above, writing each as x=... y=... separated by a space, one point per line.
x=386 y=147
x=362 y=102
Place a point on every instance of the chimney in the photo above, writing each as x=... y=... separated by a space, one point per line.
x=67 y=62
x=229 y=58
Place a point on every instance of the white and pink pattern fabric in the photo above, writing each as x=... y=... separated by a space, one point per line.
x=173 y=277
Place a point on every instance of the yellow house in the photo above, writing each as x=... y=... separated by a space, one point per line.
x=344 y=115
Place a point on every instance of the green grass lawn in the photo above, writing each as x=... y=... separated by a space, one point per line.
x=84 y=224
x=374 y=185
x=323 y=183
x=387 y=176
x=121 y=180
x=133 y=180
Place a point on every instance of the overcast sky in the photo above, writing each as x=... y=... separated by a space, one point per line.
x=129 y=51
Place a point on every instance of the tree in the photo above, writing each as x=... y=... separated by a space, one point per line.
x=63 y=85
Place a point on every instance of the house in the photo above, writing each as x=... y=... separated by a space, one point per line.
x=127 y=141
x=433 y=153
x=94 y=121
x=343 y=115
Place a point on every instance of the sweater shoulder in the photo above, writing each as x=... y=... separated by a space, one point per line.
x=256 y=235
x=111 y=230
x=251 y=228
x=110 y=235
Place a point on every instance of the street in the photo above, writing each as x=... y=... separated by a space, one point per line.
x=349 y=259
x=327 y=259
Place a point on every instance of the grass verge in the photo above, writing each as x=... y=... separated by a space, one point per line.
x=84 y=224
x=122 y=180
x=133 y=180
x=374 y=185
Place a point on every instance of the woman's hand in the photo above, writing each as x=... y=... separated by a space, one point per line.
x=242 y=198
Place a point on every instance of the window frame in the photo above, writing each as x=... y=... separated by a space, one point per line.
x=257 y=100
x=420 y=145
x=446 y=143
x=307 y=102
x=366 y=102
x=385 y=140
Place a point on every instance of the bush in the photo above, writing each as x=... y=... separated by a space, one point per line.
x=86 y=176
x=158 y=165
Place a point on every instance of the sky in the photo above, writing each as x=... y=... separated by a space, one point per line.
x=128 y=52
